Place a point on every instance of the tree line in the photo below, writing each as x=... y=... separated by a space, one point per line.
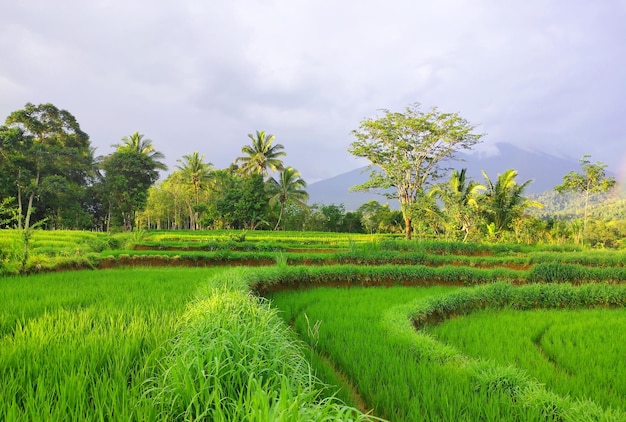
x=50 y=177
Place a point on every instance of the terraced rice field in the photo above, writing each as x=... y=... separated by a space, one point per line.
x=397 y=330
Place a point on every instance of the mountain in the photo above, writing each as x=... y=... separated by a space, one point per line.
x=545 y=170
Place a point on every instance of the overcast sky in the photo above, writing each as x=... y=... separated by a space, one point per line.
x=199 y=75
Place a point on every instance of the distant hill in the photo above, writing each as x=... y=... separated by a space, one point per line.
x=545 y=170
x=607 y=206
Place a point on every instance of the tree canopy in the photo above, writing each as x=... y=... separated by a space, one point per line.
x=261 y=156
x=48 y=157
x=503 y=201
x=407 y=151
x=592 y=180
x=289 y=187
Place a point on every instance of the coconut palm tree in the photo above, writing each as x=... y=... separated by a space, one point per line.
x=195 y=172
x=459 y=198
x=261 y=156
x=289 y=187
x=136 y=142
x=503 y=200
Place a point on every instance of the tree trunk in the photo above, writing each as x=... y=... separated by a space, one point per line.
x=192 y=217
x=282 y=207
x=585 y=216
x=29 y=209
x=20 y=216
x=108 y=217
x=407 y=229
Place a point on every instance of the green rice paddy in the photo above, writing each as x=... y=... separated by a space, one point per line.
x=355 y=328
x=580 y=353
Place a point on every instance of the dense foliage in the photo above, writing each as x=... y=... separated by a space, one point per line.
x=407 y=151
x=50 y=179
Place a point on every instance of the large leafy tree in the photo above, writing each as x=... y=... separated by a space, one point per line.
x=592 y=180
x=240 y=202
x=503 y=201
x=128 y=174
x=290 y=187
x=49 y=160
x=407 y=151
x=261 y=156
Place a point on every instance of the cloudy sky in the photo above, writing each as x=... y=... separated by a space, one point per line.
x=199 y=75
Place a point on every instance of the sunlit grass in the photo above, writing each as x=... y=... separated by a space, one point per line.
x=73 y=345
x=235 y=359
x=581 y=353
x=142 y=344
x=395 y=382
x=407 y=375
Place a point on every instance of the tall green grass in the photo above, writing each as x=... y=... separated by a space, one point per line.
x=142 y=344
x=234 y=359
x=267 y=279
x=73 y=345
x=408 y=375
x=579 y=352
x=394 y=381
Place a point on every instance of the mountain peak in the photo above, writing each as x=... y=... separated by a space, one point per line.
x=545 y=170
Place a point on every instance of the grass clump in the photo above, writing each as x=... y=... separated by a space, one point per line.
x=235 y=359
x=556 y=272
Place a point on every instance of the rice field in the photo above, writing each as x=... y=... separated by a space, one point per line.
x=394 y=381
x=406 y=376
x=580 y=353
x=74 y=345
x=140 y=344
x=172 y=333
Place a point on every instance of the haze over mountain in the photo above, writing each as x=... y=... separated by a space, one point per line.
x=545 y=170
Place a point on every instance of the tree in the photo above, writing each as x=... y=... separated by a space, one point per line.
x=46 y=155
x=197 y=173
x=289 y=187
x=406 y=151
x=128 y=176
x=137 y=143
x=459 y=199
x=129 y=172
x=371 y=215
x=261 y=156
x=241 y=201
x=377 y=218
x=503 y=202
x=593 y=180
x=333 y=217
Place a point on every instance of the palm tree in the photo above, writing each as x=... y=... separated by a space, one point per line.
x=261 y=156
x=195 y=171
x=289 y=188
x=504 y=201
x=459 y=198
x=136 y=142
